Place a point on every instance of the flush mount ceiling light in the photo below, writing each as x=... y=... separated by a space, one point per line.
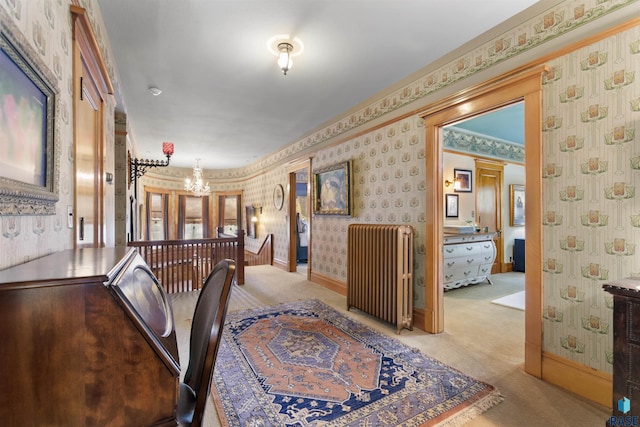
x=154 y=91
x=285 y=48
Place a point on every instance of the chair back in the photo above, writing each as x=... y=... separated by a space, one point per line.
x=206 y=333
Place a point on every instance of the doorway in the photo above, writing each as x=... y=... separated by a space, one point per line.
x=300 y=217
x=526 y=87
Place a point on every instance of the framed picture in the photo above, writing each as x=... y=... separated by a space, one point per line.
x=462 y=177
x=27 y=106
x=516 y=204
x=332 y=195
x=451 y=205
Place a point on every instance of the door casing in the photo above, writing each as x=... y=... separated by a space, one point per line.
x=519 y=85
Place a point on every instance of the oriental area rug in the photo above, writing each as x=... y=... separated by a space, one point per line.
x=306 y=364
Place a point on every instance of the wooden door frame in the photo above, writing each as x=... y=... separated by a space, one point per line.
x=87 y=57
x=523 y=85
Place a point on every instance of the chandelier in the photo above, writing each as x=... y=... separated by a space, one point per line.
x=195 y=185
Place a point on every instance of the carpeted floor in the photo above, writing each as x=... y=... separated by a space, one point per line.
x=481 y=339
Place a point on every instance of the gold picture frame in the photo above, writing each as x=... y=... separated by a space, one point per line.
x=333 y=190
x=516 y=205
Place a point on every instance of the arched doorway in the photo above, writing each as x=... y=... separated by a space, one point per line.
x=524 y=86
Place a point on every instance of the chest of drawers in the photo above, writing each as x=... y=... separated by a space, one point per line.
x=626 y=344
x=467 y=259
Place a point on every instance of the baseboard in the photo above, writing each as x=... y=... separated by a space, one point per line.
x=589 y=383
x=418 y=318
x=282 y=265
x=329 y=283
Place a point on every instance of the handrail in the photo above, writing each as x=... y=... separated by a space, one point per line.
x=183 y=265
x=264 y=254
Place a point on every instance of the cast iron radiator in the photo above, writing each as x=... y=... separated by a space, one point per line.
x=380 y=272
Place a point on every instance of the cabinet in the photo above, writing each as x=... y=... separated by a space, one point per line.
x=626 y=343
x=468 y=259
x=88 y=340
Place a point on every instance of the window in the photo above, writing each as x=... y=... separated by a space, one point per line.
x=193 y=217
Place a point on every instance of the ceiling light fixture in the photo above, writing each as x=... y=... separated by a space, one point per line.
x=154 y=91
x=284 y=59
x=196 y=185
x=285 y=48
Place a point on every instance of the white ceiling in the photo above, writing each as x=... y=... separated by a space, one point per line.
x=223 y=98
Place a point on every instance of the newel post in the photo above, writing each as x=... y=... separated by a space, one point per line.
x=240 y=259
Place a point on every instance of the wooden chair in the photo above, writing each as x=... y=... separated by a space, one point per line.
x=206 y=333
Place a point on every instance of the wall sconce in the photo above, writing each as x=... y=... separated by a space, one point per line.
x=138 y=167
x=455 y=182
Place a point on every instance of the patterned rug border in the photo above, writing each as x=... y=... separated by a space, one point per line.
x=483 y=397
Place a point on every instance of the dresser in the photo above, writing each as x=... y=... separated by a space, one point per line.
x=468 y=259
x=626 y=345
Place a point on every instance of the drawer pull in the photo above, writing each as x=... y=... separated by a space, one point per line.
x=484 y=270
x=487 y=258
x=466 y=273
x=451 y=264
x=449 y=250
x=487 y=246
x=448 y=277
x=469 y=248
x=469 y=261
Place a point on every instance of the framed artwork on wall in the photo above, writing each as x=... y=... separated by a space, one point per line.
x=462 y=178
x=516 y=204
x=332 y=186
x=27 y=108
x=451 y=206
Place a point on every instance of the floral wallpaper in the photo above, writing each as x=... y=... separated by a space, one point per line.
x=46 y=26
x=591 y=112
x=388 y=188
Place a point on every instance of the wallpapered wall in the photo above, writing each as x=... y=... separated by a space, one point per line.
x=591 y=223
x=388 y=188
x=46 y=26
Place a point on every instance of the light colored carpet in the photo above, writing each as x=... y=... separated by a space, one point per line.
x=480 y=339
x=513 y=301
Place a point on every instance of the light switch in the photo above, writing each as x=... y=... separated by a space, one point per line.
x=69 y=216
